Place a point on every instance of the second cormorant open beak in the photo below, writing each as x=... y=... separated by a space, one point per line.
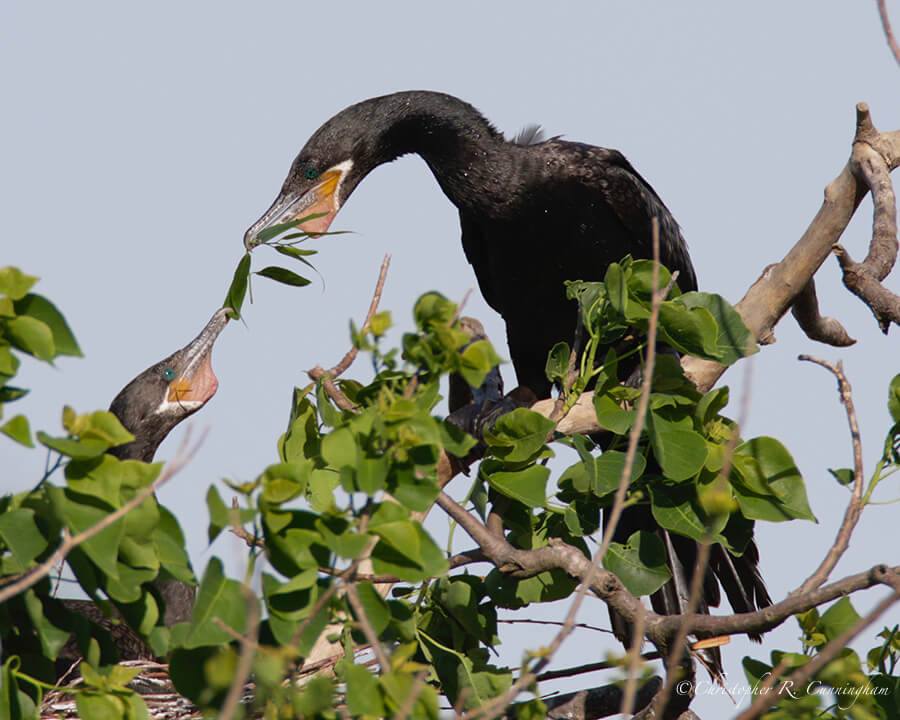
x=196 y=383
x=322 y=200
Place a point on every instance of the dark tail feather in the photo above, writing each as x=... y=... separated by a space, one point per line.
x=739 y=577
x=741 y=580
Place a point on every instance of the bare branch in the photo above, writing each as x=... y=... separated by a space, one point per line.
x=770 y=617
x=769 y=298
x=821 y=329
x=854 y=508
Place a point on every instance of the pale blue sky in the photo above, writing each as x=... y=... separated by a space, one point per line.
x=139 y=142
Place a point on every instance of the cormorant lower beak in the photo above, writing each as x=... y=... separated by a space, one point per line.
x=197 y=383
x=321 y=200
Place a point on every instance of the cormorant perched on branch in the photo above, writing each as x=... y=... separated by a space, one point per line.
x=533 y=215
x=150 y=407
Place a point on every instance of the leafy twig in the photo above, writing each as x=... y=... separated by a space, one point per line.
x=30 y=578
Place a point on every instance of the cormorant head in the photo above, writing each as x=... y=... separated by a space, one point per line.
x=324 y=173
x=353 y=143
x=152 y=404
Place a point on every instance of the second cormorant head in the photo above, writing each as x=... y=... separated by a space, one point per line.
x=152 y=404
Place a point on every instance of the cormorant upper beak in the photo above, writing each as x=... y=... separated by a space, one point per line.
x=323 y=199
x=196 y=383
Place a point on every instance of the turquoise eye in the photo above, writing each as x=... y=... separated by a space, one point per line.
x=311 y=173
x=169 y=374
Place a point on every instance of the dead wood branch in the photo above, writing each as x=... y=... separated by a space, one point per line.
x=776 y=290
x=817 y=327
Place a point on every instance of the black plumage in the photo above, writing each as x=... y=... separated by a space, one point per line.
x=533 y=215
x=149 y=407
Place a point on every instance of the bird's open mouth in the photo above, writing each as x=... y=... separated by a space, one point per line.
x=321 y=201
x=197 y=382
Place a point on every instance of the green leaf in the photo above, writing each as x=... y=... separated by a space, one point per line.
x=528 y=486
x=339 y=449
x=641 y=280
x=838 y=618
x=640 y=564
x=296 y=253
x=519 y=435
x=14 y=283
x=9 y=363
x=17 y=428
x=455 y=441
x=272 y=231
x=376 y=609
x=40 y=308
x=406 y=550
x=341 y=539
x=689 y=330
x=363 y=694
x=844 y=476
x=557 y=367
x=32 y=336
x=80 y=515
x=21 y=536
x=608 y=469
x=217 y=598
x=611 y=415
x=75 y=449
x=234 y=299
x=283 y=275
x=218 y=513
x=894 y=399
x=380 y=323
x=433 y=309
x=285 y=481
x=781 y=476
x=674 y=509
x=733 y=340
x=617 y=288
x=99 y=706
x=476 y=362
x=106 y=427
x=680 y=453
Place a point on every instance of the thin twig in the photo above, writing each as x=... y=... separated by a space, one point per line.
x=801 y=676
x=557 y=623
x=591 y=667
x=245 y=660
x=885 y=23
x=855 y=506
x=31 y=577
x=327 y=376
x=366 y=625
x=348 y=359
x=634 y=661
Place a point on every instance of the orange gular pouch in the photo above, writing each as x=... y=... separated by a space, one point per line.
x=325 y=205
x=198 y=386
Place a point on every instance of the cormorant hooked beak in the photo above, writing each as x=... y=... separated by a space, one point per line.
x=195 y=382
x=323 y=199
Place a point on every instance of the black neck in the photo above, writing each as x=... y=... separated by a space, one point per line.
x=463 y=150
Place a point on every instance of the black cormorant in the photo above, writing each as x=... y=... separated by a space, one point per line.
x=533 y=215
x=150 y=407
